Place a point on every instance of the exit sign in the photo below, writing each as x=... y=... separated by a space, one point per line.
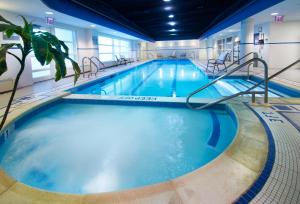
x=49 y=20
x=278 y=18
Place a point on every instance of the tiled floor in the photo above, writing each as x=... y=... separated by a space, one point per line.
x=283 y=185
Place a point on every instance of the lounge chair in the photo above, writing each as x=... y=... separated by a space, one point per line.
x=119 y=61
x=183 y=55
x=173 y=55
x=215 y=63
x=128 y=60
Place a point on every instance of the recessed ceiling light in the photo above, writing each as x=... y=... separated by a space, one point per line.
x=168 y=8
x=93 y=25
x=173 y=34
x=274 y=14
x=166 y=0
x=49 y=13
x=173 y=30
x=172 y=23
x=171 y=16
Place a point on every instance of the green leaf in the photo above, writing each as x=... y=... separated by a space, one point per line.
x=9 y=32
x=2 y=19
x=60 y=65
x=28 y=28
x=40 y=48
x=5 y=27
x=51 y=39
x=49 y=58
x=76 y=69
x=3 y=51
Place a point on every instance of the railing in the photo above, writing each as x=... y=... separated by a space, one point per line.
x=99 y=62
x=91 y=62
x=249 y=91
x=237 y=61
x=84 y=64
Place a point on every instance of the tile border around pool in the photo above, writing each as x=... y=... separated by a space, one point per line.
x=266 y=171
x=16 y=191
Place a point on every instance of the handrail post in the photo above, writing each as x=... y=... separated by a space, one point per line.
x=82 y=63
x=253 y=97
x=266 y=97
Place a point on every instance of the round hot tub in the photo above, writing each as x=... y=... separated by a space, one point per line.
x=80 y=148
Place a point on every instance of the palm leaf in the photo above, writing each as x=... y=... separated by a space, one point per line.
x=3 y=51
x=40 y=48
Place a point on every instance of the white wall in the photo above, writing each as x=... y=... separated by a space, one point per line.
x=286 y=33
x=169 y=48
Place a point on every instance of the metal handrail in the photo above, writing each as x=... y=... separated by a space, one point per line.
x=234 y=62
x=275 y=74
x=265 y=92
x=98 y=60
x=83 y=64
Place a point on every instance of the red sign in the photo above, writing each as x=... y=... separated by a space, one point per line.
x=49 y=20
x=278 y=18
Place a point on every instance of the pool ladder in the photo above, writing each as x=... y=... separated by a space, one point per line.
x=91 y=62
x=251 y=91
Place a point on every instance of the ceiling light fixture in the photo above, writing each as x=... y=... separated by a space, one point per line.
x=168 y=8
x=173 y=34
x=171 y=16
x=166 y=0
x=172 y=23
x=173 y=30
x=274 y=14
x=49 y=13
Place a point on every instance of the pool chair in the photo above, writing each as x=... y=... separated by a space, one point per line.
x=183 y=55
x=173 y=55
x=119 y=61
x=128 y=60
x=216 y=63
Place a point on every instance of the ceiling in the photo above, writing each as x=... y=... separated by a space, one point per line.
x=288 y=8
x=36 y=10
x=150 y=17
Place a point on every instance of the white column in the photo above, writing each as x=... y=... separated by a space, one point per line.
x=246 y=36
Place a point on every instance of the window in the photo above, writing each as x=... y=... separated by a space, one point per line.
x=108 y=47
x=105 y=48
x=69 y=39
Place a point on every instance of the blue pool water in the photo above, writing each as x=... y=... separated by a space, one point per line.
x=169 y=78
x=89 y=148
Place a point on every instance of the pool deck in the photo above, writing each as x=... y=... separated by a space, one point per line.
x=223 y=180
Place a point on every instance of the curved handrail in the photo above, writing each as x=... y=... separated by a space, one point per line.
x=98 y=60
x=234 y=62
x=234 y=95
x=249 y=91
x=83 y=64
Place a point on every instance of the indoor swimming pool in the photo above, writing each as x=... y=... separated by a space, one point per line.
x=78 y=147
x=168 y=78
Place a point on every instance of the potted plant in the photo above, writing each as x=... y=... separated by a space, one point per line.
x=45 y=46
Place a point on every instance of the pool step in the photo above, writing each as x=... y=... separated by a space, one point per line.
x=229 y=86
